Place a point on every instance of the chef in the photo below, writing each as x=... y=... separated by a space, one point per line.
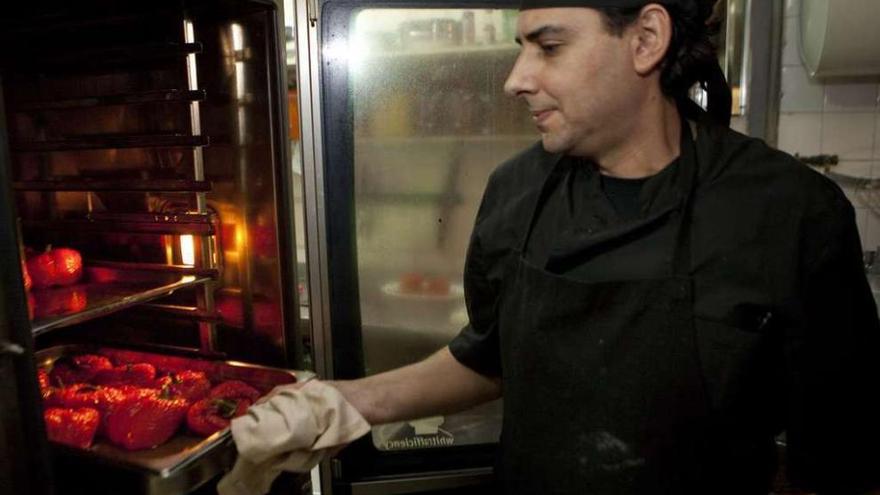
x=655 y=297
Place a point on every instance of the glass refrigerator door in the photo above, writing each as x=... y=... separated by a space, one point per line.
x=415 y=120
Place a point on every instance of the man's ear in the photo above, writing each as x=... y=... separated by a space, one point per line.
x=650 y=37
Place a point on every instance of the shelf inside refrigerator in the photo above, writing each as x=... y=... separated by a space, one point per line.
x=416 y=140
x=428 y=50
x=105 y=292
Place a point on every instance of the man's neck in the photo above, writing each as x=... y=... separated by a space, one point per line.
x=648 y=145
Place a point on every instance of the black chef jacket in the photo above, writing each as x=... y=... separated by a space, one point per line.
x=786 y=323
x=583 y=197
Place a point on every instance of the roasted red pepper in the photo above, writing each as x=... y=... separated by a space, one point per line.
x=87 y=395
x=43 y=378
x=190 y=385
x=60 y=266
x=211 y=415
x=140 y=375
x=144 y=420
x=46 y=389
x=235 y=389
x=163 y=364
x=78 y=369
x=226 y=401
x=74 y=427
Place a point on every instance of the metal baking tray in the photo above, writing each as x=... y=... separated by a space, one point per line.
x=185 y=462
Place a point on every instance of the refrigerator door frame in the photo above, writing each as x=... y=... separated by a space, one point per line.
x=314 y=119
x=762 y=115
x=765 y=25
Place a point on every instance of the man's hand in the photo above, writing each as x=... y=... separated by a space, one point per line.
x=437 y=385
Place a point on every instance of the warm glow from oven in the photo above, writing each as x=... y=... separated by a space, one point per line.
x=187 y=250
x=239 y=237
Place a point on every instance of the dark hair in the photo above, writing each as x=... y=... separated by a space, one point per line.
x=691 y=50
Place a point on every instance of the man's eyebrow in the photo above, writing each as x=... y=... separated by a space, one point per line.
x=541 y=31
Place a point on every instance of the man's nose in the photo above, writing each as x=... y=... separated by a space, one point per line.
x=520 y=80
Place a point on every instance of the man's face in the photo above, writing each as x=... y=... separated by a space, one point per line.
x=576 y=77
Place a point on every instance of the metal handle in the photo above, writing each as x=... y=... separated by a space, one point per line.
x=819 y=160
x=10 y=349
x=312 y=11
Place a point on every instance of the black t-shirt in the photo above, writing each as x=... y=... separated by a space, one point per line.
x=623 y=195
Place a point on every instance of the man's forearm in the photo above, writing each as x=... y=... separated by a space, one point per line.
x=437 y=385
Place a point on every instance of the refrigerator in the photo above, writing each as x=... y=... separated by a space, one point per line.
x=403 y=118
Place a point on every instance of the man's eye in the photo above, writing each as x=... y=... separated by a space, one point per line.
x=550 y=49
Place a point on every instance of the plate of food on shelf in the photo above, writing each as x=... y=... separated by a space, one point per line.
x=418 y=286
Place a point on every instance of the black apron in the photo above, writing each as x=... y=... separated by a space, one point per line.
x=603 y=392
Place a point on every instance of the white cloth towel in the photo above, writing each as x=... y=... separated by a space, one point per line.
x=294 y=429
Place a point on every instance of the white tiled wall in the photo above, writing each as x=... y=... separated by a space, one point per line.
x=833 y=117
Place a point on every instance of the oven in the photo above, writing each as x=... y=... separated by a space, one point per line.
x=151 y=140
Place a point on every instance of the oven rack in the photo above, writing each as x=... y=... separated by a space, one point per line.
x=98 y=299
x=112 y=141
x=87 y=184
x=135 y=98
x=181 y=312
x=135 y=223
x=43 y=59
x=212 y=273
x=114 y=285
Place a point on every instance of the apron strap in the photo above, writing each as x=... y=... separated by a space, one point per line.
x=681 y=258
x=546 y=188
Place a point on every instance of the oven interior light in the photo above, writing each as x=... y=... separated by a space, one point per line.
x=187 y=250
x=237 y=37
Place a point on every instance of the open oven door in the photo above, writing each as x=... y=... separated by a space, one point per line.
x=24 y=453
x=404 y=119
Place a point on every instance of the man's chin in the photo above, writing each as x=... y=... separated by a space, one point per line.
x=553 y=145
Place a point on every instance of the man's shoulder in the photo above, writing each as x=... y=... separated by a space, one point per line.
x=737 y=158
x=510 y=195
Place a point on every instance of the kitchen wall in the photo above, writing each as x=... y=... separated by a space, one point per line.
x=835 y=117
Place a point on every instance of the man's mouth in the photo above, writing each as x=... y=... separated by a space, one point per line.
x=541 y=116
